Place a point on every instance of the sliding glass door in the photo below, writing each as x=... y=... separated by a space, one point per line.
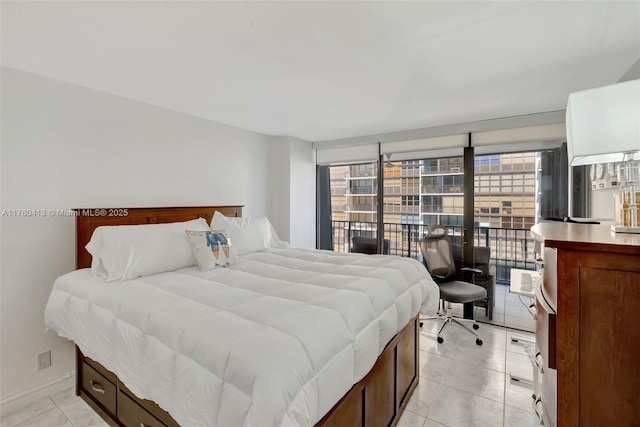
x=354 y=203
x=510 y=192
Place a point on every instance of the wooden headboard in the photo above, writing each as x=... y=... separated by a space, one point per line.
x=88 y=220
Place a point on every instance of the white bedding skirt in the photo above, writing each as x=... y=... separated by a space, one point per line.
x=274 y=340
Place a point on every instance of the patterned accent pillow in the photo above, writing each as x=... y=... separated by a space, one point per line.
x=212 y=249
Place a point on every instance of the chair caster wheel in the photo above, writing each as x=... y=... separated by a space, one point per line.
x=440 y=340
x=476 y=326
x=478 y=341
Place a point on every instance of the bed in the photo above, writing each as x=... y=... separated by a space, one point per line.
x=281 y=337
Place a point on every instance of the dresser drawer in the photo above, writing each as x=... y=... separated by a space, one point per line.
x=545 y=359
x=99 y=387
x=550 y=276
x=545 y=333
x=549 y=387
x=132 y=414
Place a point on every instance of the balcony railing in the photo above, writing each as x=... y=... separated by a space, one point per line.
x=510 y=247
x=441 y=189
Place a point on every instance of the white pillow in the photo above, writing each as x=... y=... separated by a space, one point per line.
x=124 y=252
x=212 y=249
x=248 y=234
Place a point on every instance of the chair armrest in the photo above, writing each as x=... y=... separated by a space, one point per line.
x=472 y=270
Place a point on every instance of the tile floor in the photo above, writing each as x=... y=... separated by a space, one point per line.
x=461 y=384
x=63 y=409
x=510 y=310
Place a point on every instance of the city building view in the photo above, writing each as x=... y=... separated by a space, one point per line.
x=419 y=193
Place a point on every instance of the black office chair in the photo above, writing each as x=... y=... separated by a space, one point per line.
x=437 y=255
x=368 y=245
x=481 y=261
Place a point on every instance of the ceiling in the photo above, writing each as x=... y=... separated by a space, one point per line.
x=328 y=70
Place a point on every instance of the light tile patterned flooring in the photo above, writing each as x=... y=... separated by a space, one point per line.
x=461 y=384
x=63 y=409
x=509 y=310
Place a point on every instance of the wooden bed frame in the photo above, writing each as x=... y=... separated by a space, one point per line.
x=376 y=400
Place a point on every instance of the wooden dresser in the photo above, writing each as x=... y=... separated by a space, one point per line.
x=588 y=326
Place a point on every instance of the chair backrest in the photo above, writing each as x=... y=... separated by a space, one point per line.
x=437 y=253
x=369 y=245
x=481 y=259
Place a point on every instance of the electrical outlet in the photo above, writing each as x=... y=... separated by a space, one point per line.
x=43 y=360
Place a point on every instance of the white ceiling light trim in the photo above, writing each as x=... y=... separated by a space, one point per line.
x=521 y=147
x=549 y=132
x=424 y=144
x=345 y=155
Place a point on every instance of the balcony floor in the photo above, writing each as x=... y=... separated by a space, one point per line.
x=510 y=310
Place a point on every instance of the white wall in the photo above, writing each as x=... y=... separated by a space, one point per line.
x=64 y=146
x=302 y=222
x=602 y=205
x=278 y=202
x=292 y=190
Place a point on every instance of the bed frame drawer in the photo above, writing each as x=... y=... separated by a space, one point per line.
x=407 y=356
x=99 y=388
x=132 y=414
x=101 y=369
x=376 y=400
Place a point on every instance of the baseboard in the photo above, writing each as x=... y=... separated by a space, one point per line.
x=19 y=399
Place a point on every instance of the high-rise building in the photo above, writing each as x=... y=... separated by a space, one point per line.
x=430 y=191
x=505 y=190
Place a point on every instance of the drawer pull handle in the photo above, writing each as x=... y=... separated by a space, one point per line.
x=537 y=362
x=538 y=414
x=143 y=425
x=97 y=387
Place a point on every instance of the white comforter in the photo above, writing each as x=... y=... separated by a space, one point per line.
x=275 y=340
